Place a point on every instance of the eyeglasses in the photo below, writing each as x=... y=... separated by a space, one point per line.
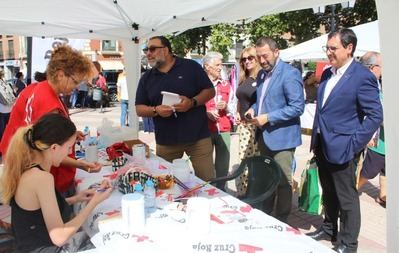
x=74 y=80
x=331 y=49
x=152 y=49
x=249 y=58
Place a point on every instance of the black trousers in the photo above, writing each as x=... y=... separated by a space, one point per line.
x=340 y=198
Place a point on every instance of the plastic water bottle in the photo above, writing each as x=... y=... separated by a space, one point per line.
x=86 y=134
x=138 y=188
x=149 y=194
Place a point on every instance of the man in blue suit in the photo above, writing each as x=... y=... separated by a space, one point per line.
x=279 y=104
x=347 y=115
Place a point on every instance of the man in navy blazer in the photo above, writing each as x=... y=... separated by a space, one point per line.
x=278 y=106
x=348 y=113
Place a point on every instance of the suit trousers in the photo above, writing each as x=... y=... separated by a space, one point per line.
x=340 y=198
x=282 y=197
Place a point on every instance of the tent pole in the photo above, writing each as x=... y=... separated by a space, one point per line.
x=132 y=67
x=387 y=14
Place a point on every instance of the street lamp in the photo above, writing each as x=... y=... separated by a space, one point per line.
x=319 y=10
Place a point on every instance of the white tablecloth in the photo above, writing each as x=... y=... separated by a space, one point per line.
x=235 y=226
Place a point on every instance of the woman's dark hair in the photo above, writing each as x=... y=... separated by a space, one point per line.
x=52 y=128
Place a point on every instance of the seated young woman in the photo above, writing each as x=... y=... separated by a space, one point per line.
x=28 y=186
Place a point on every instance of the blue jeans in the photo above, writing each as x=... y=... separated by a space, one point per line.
x=124 y=109
x=74 y=98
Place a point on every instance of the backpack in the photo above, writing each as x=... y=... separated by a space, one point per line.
x=7 y=96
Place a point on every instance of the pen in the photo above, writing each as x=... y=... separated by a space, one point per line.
x=174 y=112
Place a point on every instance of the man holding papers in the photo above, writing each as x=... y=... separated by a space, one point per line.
x=181 y=127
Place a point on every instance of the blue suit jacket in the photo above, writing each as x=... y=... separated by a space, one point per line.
x=283 y=103
x=350 y=115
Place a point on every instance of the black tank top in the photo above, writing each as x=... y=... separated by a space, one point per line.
x=29 y=228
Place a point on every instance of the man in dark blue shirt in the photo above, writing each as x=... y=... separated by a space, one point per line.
x=181 y=127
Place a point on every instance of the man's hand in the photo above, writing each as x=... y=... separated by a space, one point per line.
x=372 y=143
x=184 y=105
x=213 y=115
x=164 y=110
x=249 y=114
x=259 y=121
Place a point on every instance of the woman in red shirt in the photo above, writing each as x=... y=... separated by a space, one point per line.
x=65 y=71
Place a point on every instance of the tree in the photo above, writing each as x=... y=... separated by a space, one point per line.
x=190 y=40
x=271 y=26
x=222 y=38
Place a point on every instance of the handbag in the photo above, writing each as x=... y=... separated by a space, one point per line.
x=7 y=96
x=310 y=191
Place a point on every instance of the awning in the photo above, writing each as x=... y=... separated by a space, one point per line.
x=111 y=65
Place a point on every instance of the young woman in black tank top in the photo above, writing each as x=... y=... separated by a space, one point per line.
x=28 y=186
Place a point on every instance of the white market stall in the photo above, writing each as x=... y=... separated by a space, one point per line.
x=131 y=19
x=367 y=37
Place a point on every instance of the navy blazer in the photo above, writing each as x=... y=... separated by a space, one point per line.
x=284 y=104
x=350 y=115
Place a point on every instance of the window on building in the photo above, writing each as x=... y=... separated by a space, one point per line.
x=11 y=49
x=108 y=45
x=1 y=51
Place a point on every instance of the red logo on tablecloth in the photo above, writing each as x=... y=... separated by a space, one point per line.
x=212 y=192
x=78 y=181
x=246 y=209
x=141 y=238
x=294 y=230
x=248 y=248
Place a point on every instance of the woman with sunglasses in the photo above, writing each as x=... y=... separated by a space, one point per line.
x=65 y=71
x=37 y=209
x=246 y=94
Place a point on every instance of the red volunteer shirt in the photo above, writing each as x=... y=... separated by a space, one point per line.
x=33 y=102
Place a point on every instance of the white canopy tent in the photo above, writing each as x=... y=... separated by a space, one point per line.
x=132 y=19
x=368 y=40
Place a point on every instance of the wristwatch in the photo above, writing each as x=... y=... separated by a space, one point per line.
x=154 y=110
x=195 y=102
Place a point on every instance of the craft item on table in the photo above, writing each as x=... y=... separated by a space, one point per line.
x=198 y=215
x=126 y=181
x=165 y=181
x=139 y=154
x=182 y=170
x=192 y=190
x=118 y=162
x=133 y=212
x=180 y=183
x=117 y=149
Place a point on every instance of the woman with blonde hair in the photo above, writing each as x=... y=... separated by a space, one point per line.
x=246 y=94
x=28 y=186
x=66 y=69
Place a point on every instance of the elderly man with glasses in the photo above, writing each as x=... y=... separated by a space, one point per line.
x=182 y=127
x=348 y=113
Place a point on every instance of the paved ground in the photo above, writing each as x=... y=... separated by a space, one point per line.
x=372 y=237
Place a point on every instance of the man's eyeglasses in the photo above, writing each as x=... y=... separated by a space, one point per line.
x=331 y=49
x=152 y=49
x=249 y=58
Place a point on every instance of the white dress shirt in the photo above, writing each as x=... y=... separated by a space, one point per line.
x=334 y=79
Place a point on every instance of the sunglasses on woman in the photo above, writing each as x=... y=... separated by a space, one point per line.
x=249 y=58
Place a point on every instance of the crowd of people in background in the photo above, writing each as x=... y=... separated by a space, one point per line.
x=265 y=106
